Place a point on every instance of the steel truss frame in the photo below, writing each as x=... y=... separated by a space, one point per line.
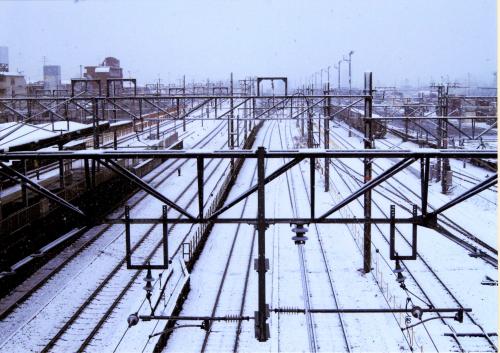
x=261 y=222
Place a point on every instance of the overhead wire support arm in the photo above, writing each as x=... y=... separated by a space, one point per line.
x=110 y=100
x=254 y=188
x=156 y=106
x=51 y=110
x=195 y=109
x=234 y=108
x=309 y=107
x=370 y=185
x=491 y=181
x=143 y=185
x=346 y=107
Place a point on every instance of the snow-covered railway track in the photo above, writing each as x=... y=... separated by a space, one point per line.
x=304 y=278
x=234 y=243
x=160 y=177
x=315 y=343
x=419 y=267
x=107 y=289
x=94 y=303
x=446 y=226
x=157 y=178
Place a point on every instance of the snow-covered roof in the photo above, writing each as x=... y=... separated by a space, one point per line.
x=102 y=69
x=10 y=73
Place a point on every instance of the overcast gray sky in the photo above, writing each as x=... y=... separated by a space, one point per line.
x=396 y=39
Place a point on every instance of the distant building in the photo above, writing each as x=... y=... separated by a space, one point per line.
x=34 y=88
x=12 y=84
x=110 y=68
x=4 y=59
x=52 y=77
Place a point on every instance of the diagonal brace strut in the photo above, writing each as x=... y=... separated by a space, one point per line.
x=143 y=185
x=254 y=188
x=8 y=171
x=491 y=181
x=370 y=185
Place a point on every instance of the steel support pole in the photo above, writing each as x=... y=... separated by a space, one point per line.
x=140 y=117
x=128 y=246
x=312 y=181
x=184 y=107
x=231 y=122
x=95 y=122
x=439 y=132
x=231 y=116
x=368 y=144
x=261 y=326
x=200 y=168
x=327 y=136
x=446 y=162
x=165 y=235
x=302 y=122
x=350 y=86
x=424 y=179
x=245 y=118
x=339 y=62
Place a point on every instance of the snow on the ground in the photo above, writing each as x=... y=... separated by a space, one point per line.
x=441 y=266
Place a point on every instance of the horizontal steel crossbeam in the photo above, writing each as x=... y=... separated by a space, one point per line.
x=254 y=220
x=187 y=154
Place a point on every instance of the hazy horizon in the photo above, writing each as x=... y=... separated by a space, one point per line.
x=399 y=41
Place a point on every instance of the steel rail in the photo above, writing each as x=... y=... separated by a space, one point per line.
x=54 y=271
x=205 y=140
x=102 y=285
x=124 y=291
x=444 y=219
x=226 y=268
x=446 y=288
x=306 y=291
x=327 y=267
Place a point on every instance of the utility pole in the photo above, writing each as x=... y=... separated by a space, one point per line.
x=339 y=62
x=184 y=105
x=350 y=59
x=443 y=107
x=439 y=131
x=231 y=121
x=327 y=136
x=368 y=144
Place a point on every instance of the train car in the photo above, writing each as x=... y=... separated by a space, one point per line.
x=354 y=117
